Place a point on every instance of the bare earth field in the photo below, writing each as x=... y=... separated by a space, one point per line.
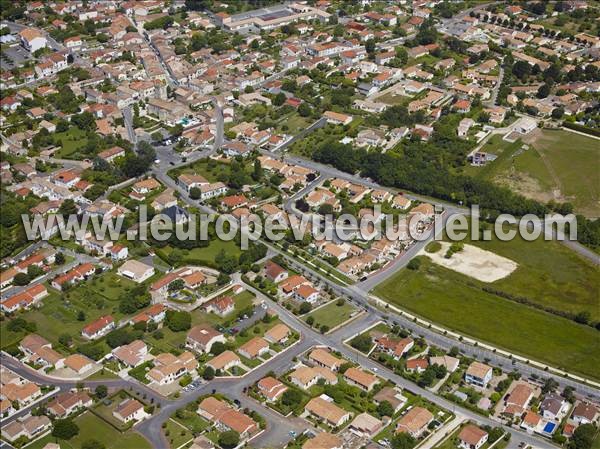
x=475 y=262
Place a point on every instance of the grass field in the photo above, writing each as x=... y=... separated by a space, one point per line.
x=548 y=274
x=203 y=256
x=92 y=427
x=558 y=165
x=332 y=315
x=451 y=300
x=71 y=141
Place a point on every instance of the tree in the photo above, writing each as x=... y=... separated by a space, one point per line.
x=304 y=110
x=59 y=259
x=229 y=439
x=291 y=397
x=208 y=373
x=218 y=348
x=543 y=91
x=549 y=386
x=178 y=321
x=101 y=391
x=521 y=69
x=176 y=285
x=65 y=429
x=583 y=317
x=279 y=99
x=583 y=437
x=414 y=264
x=65 y=339
x=195 y=193
x=92 y=444
x=305 y=307
x=385 y=409
x=21 y=279
x=257 y=171
x=403 y=440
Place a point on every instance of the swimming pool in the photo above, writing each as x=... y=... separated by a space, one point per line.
x=549 y=427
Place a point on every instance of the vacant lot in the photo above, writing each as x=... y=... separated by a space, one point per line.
x=332 y=315
x=200 y=256
x=472 y=261
x=457 y=302
x=558 y=165
x=71 y=141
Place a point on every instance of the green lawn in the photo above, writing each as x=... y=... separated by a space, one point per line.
x=58 y=315
x=203 y=256
x=92 y=427
x=447 y=298
x=192 y=421
x=71 y=141
x=556 y=161
x=176 y=434
x=332 y=315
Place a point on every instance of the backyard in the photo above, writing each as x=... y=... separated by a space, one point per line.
x=92 y=427
x=71 y=141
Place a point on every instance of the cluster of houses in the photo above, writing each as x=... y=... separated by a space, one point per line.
x=295 y=287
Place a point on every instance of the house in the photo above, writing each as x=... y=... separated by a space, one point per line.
x=168 y=367
x=531 y=422
x=518 y=399
x=415 y=422
x=155 y=313
x=235 y=148
x=22 y=394
x=585 y=413
x=224 y=361
x=327 y=412
x=322 y=357
x=39 y=351
x=337 y=118
x=478 y=374
x=271 y=388
x=29 y=427
x=305 y=376
x=98 y=328
x=212 y=190
x=554 y=406
x=78 y=363
x=417 y=365
x=401 y=202
x=221 y=306
x=363 y=380
x=32 y=39
x=366 y=425
x=66 y=403
x=278 y=334
x=450 y=363
x=77 y=274
x=25 y=300
x=274 y=272
x=118 y=252
x=136 y=271
x=132 y=354
x=254 y=348
x=130 y=410
x=324 y=440
x=201 y=338
x=306 y=293
x=111 y=154
x=525 y=125
x=391 y=395
x=472 y=437
x=225 y=417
